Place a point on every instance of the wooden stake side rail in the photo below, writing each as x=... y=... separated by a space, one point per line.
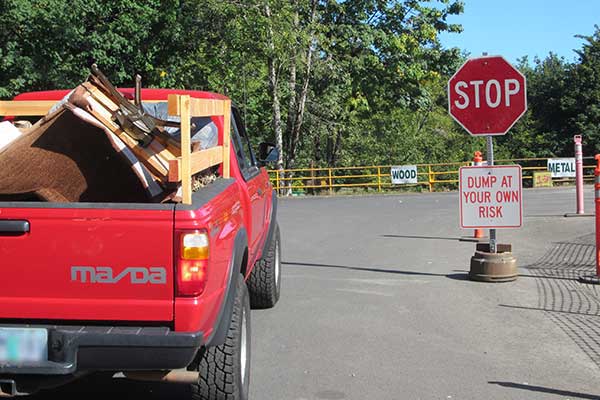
x=34 y=108
x=199 y=161
x=191 y=163
x=26 y=108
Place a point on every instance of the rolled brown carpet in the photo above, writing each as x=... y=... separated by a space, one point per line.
x=63 y=158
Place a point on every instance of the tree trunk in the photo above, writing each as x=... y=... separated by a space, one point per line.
x=334 y=144
x=291 y=117
x=275 y=97
x=336 y=147
x=294 y=134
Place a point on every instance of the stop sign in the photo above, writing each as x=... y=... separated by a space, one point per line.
x=487 y=95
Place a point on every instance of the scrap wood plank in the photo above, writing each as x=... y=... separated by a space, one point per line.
x=151 y=159
x=172 y=145
x=24 y=108
x=156 y=165
x=155 y=145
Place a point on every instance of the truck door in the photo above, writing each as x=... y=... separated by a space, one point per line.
x=254 y=181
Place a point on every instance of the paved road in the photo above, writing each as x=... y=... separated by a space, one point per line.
x=375 y=305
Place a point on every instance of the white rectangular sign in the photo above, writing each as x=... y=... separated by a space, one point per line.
x=404 y=174
x=562 y=167
x=491 y=197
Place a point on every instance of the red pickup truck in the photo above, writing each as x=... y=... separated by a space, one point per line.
x=104 y=287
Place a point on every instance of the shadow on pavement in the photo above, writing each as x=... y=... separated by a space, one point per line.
x=102 y=387
x=572 y=306
x=547 y=310
x=542 y=389
x=461 y=277
x=421 y=237
x=548 y=277
x=545 y=216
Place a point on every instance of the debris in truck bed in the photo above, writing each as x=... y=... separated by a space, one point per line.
x=202 y=180
x=8 y=134
x=66 y=159
x=96 y=146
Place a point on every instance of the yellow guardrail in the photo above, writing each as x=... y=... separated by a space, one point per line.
x=440 y=176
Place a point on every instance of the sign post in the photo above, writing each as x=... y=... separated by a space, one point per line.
x=477 y=162
x=579 y=173
x=490 y=160
x=486 y=96
x=571 y=168
x=595 y=279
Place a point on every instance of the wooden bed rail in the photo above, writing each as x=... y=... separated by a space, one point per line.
x=190 y=163
x=34 y=108
x=25 y=108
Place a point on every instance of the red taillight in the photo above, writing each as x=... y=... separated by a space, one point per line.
x=192 y=262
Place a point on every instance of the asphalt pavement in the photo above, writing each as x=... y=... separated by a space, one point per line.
x=376 y=305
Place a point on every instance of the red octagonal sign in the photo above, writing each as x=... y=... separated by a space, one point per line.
x=487 y=95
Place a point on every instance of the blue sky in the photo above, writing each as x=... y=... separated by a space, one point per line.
x=514 y=28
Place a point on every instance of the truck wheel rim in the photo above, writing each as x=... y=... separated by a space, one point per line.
x=277 y=264
x=243 y=348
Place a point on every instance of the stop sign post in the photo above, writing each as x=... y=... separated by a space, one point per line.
x=486 y=96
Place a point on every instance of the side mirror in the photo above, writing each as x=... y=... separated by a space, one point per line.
x=267 y=153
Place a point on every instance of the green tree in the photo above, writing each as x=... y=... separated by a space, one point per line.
x=541 y=131
x=377 y=63
x=582 y=95
x=47 y=44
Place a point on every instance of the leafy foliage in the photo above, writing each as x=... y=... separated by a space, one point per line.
x=51 y=43
x=564 y=100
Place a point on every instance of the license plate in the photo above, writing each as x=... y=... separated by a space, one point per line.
x=23 y=345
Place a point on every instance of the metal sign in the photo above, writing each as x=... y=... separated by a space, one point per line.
x=404 y=174
x=562 y=167
x=487 y=95
x=491 y=197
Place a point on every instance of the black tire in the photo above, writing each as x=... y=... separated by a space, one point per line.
x=264 y=282
x=225 y=370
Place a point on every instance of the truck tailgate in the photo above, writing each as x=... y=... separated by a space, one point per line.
x=86 y=263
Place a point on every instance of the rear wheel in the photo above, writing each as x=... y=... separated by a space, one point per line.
x=264 y=282
x=225 y=370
